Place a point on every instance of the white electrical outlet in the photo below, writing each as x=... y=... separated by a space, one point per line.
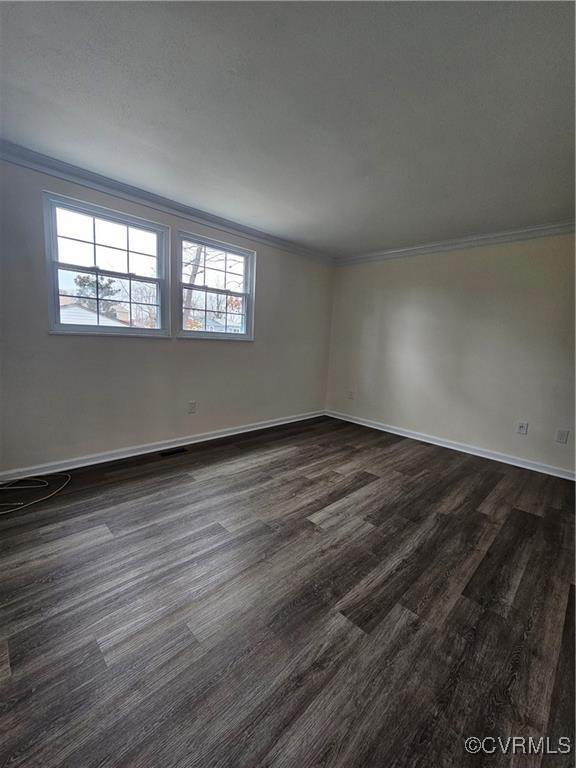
x=562 y=436
x=192 y=406
x=522 y=428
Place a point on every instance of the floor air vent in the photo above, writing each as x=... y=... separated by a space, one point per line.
x=173 y=451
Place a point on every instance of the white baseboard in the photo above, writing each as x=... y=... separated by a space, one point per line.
x=505 y=458
x=163 y=445
x=138 y=450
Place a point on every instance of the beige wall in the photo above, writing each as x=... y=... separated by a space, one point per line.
x=461 y=345
x=457 y=345
x=69 y=396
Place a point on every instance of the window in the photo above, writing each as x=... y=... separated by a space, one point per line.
x=108 y=270
x=216 y=289
x=109 y=275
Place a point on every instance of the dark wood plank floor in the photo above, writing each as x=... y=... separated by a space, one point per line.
x=320 y=594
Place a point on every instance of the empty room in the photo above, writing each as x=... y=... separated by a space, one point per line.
x=287 y=384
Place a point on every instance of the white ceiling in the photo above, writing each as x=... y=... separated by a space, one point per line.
x=348 y=128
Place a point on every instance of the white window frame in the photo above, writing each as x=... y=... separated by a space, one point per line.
x=53 y=201
x=248 y=294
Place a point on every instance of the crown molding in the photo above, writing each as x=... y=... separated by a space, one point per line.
x=28 y=158
x=471 y=241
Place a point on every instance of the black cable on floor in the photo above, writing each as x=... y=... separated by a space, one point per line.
x=31 y=484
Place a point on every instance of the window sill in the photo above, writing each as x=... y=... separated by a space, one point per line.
x=123 y=334
x=199 y=335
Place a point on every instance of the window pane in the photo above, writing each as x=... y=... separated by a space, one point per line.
x=76 y=283
x=111 y=233
x=216 y=302
x=214 y=278
x=195 y=277
x=112 y=259
x=236 y=304
x=215 y=259
x=192 y=263
x=145 y=316
x=113 y=288
x=143 y=241
x=217 y=271
x=74 y=252
x=194 y=299
x=144 y=293
x=78 y=311
x=235 y=263
x=235 y=323
x=72 y=224
x=216 y=321
x=145 y=266
x=113 y=313
x=108 y=271
x=193 y=320
x=234 y=282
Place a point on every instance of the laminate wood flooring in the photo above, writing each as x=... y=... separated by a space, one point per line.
x=319 y=594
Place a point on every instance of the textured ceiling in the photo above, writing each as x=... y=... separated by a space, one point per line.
x=346 y=127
